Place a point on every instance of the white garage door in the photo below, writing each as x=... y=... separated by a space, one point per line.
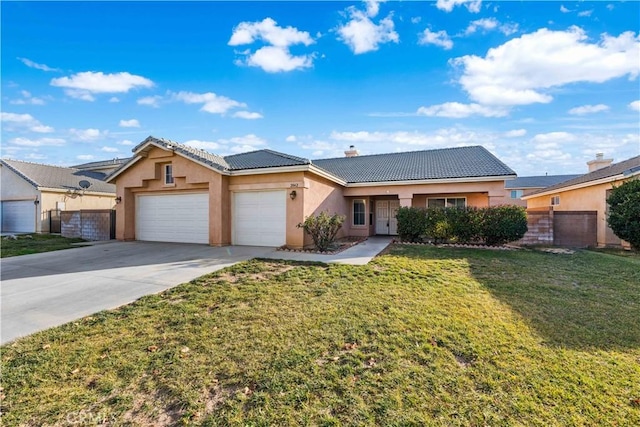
x=181 y=218
x=259 y=218
x=19 y=216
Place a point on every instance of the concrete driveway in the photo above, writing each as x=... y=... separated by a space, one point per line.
x=44 y=290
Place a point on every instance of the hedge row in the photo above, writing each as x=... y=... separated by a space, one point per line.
x=494 y=225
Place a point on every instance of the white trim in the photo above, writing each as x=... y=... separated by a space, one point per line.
x=429 y=181
x=581 y=185
x=353 y=212
x=445 y=200
x=166 y=175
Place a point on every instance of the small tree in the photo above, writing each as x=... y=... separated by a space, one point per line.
x=323 y=229
x=624 y=212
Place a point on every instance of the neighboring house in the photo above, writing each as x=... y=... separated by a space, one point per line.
x=30 y=191
x=101 y=169
x=588 y=193
x=525 y=185
x=176 y=193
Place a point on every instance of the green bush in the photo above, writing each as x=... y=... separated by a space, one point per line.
x=502 y=224
x=411 y=223
x=323 y=229
x=493 y=225
x=624 y=212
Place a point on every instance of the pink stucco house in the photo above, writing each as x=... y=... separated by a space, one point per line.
x=175 y=193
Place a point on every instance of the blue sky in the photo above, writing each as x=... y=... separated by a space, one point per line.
x=542 y=85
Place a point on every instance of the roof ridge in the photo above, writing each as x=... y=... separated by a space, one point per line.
x=288 y=156
x=40 y=164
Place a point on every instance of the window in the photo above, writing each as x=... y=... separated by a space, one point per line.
x=168 y=174
x=555 y=200
x=516 y=194
x=447 y=202
x=359 y=212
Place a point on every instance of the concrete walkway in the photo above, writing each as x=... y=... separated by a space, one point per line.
x=359 y=254
x=40 y=291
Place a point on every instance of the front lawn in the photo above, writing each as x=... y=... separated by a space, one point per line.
x=25 y=244
x=420 y=336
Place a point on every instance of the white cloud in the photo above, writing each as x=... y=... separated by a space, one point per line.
x=276 y=59
x=447 y=5
x=291 y=138
x=27 y=99
x=362 y=35
x=635 y=105
x=125 y=142
x=202 y=145
x=275 y=56
x=404 y=141
x=15 y=121
x=553 y=138
x=249 y=115
x=133 y=123
x=564 y=9
x=585 y=13
x=248 y=140
x=588 y=109
x=83 y=85
x=458 y=110
x=109 y=149
x=519 y=71
x=40 y=142
x=490 y=24
x=114 y=99
x=439 y=38
x=211 y=103
x=416 y=19
x=152 y=101
x=29 y=63
x=85 y=157
x=87 y=135
x=515 y=133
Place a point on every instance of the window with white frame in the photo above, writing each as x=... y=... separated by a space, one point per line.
x=555 y=200
x=359 y=212
x=447 y=202
x=516 y=194
x=168 y=174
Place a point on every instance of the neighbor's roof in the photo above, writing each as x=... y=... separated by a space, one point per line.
x=537 y=181
x=447 y=163
x=62 y=178
x=627 y=167
x=102 y=164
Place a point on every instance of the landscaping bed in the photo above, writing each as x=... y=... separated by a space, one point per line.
x=338 y=246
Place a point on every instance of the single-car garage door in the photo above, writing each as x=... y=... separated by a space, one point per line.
x=181 y=218
x=259 y=218
x=19 y=216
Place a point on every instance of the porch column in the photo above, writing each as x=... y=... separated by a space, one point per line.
x=405 y=199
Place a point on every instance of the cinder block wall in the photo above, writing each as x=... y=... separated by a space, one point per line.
x=92 y=225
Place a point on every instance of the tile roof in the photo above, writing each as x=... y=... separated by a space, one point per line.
x=537 y=181
x=102 y=163
x=58 y=177
x=627 y=166
x=218 y=162
x=263 y=159
x=461 y=162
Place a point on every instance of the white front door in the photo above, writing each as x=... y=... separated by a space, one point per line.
x=180 y=218
x=386 y=222
x=260 y=218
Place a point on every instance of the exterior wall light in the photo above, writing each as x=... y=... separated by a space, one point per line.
x=293 y=194
x=118 y=199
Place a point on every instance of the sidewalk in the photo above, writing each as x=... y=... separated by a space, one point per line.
x=359 y=254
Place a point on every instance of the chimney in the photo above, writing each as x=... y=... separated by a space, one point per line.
x=599 y=163
x=351 y=152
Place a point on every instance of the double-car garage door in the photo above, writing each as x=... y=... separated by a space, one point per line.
x=258 y=218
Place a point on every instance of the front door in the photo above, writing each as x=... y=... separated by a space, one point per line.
x=386 y=222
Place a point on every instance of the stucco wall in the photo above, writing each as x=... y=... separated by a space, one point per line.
x=13 y=187
x=323 y=195
x=49 y=201
x=592 y=198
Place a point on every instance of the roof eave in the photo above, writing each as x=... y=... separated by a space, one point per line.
x=80 y=191
x=284 y=169
x=604 y=180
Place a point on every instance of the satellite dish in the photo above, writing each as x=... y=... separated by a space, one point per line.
x=84 y=184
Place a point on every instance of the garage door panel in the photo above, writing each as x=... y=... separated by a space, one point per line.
x=180 y=218
x=19 y=216
x=259 y=218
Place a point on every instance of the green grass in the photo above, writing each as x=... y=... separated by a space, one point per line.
x=420 y=336
x=34 y=243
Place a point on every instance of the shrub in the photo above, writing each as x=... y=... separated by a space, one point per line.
x=411 y=223
x=502 y=224
x=624 y=212
x=437 y=225
x=464 y=223
x=323 y=229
